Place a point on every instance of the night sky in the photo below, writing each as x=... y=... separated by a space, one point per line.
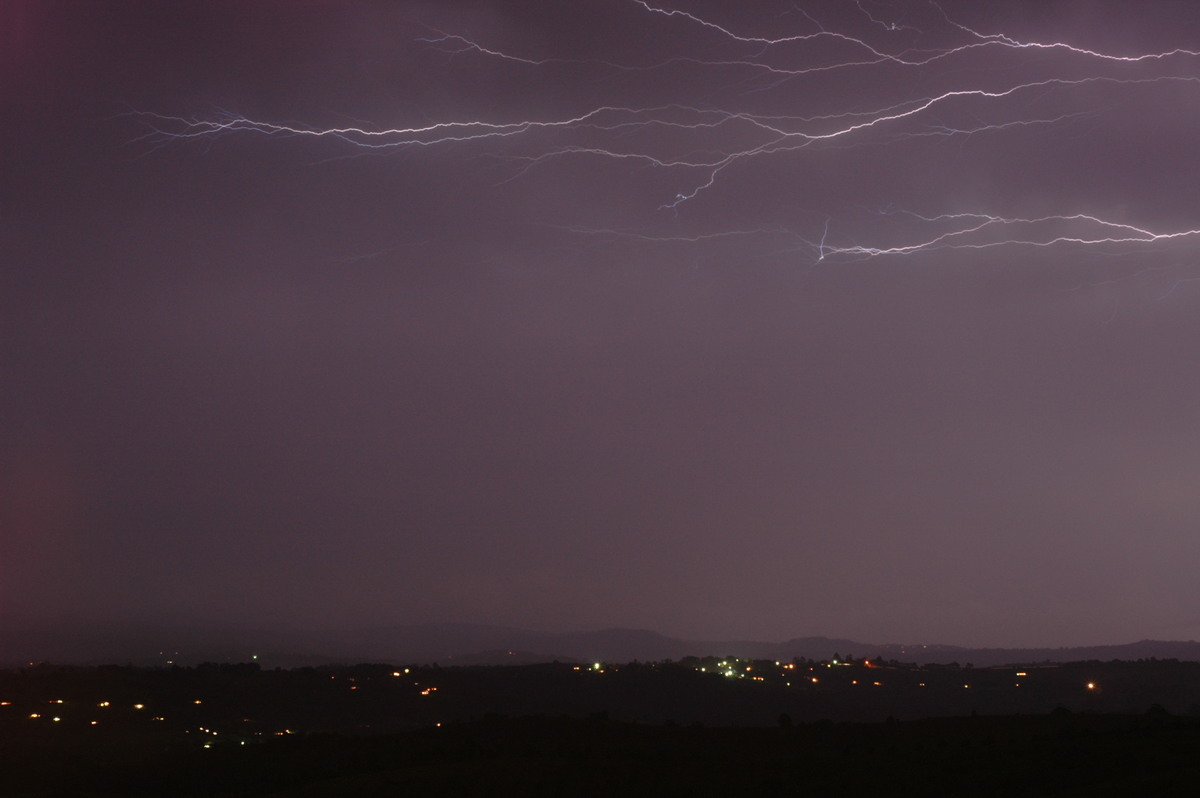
x=757 y=320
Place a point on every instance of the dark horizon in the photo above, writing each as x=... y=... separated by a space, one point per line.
x=868 y=319
x=473 y=645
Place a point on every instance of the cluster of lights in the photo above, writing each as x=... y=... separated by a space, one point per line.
x=729 y=668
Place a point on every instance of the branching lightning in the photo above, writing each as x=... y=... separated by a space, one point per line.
x=971 y=231
x=696 y=145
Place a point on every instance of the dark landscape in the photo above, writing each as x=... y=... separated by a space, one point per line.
x=699 y=726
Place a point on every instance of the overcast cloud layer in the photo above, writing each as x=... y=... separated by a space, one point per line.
x=755 y=347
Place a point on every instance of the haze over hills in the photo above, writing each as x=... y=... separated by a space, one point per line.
x=475 y=644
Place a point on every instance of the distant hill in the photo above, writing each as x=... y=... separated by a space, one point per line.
x=446 y=643
x=477 y=644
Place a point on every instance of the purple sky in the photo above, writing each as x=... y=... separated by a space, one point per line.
x=755 y=347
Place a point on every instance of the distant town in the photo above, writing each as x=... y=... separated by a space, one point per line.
x=241 y=703
x=70 y=727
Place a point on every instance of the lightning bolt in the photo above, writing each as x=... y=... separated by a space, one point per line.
x=971 y=231
x=698 y=145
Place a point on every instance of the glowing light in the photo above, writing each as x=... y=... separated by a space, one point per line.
x=695 y=148
x=139 y=706
x=1091 y=685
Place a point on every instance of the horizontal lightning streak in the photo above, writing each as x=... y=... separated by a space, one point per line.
x=1110 y=233
x=713 y=140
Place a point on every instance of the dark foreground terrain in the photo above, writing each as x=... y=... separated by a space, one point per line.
x=696 y=728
